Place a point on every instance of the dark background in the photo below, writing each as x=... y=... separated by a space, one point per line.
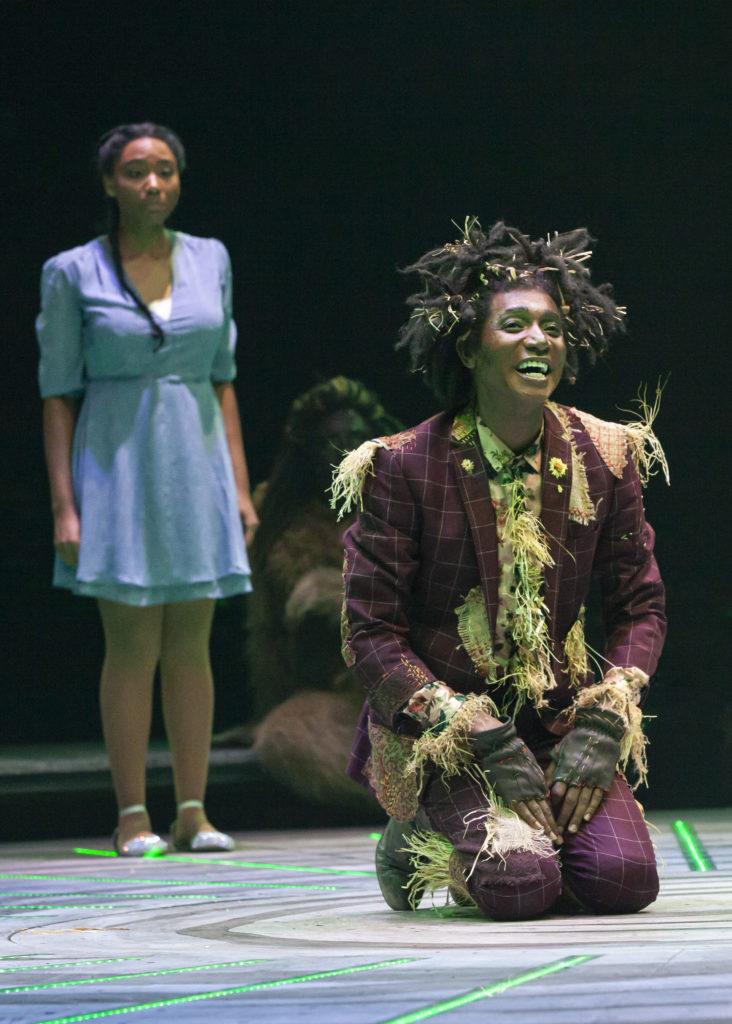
x=330 y=143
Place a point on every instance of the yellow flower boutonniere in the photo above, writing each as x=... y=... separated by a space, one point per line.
x=557 y=468
x=468 y=465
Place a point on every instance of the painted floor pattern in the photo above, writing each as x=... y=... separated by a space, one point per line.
x=290 y=927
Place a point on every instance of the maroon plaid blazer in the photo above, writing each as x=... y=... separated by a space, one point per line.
x=427 y=535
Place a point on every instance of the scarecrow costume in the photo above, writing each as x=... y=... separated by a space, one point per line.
x=466 y=577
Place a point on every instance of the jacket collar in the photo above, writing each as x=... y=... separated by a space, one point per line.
x=500 y=458
x=556 y=485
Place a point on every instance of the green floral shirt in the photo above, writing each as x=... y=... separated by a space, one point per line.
x=505 y=466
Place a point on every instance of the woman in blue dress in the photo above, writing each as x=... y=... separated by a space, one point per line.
x=148 y=477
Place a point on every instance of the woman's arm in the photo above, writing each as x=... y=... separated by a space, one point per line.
x=59 y=420
x=232 y=425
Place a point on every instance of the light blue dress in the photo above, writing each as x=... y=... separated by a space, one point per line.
x=152 y=474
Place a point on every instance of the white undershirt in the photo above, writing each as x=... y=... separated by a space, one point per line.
x=161 y=307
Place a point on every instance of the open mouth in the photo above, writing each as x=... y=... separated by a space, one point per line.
x=536 y=369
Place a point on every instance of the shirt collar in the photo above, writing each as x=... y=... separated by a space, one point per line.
x=499 y=455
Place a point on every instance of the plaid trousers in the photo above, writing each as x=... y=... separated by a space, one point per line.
x=608 y=865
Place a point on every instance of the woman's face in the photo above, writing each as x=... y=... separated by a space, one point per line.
x=145 y=183
x=521 y=355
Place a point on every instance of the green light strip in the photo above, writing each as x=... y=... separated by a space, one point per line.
x=242 y=990
x=482 y=993
x=126 y=977
x=693 y=849
x=70 y=963
x=241 y=863
x=189 y=883
x=117 y=896
x=276 y=867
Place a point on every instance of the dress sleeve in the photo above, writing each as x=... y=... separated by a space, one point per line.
x=224 y=367
x=58 y=329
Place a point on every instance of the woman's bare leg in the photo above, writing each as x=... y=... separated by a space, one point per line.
x=132 y=649
x=187 y=692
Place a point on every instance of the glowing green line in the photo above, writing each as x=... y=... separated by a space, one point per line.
x=242 y=990
x=190 y=883
x=273 y=867
x=690 y=845
x=71 y=963
x=124 y=977
x=117 y=896
x=376 y=836
x=241 y=863
x=482 y=993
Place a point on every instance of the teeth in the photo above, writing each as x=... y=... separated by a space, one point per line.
x=533 y=366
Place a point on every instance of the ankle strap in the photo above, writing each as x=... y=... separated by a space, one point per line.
x=190 y=803
x=132 y=809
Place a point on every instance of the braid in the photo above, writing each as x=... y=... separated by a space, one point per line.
x=113 y=229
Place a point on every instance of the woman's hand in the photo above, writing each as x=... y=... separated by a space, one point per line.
x=66 y=535
x=232 y=425
x=573 y=805
x=249 y=519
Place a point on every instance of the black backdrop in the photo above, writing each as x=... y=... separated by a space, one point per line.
x=330 y=143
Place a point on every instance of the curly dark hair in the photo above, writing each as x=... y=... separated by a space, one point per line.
x=109 y=150
x=460 y=279
x=333 y=416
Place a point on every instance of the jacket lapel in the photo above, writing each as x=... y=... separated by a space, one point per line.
x=555 y=494
x=469 y=465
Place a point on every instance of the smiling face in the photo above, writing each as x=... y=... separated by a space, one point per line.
x=521 y=355
x=145 y=183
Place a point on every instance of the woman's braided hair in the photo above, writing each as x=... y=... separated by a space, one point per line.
x=460 y=279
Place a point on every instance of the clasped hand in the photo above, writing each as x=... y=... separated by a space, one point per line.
x=565 y=810
x=517 y=778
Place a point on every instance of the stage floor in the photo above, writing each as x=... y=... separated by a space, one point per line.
x=291 y=927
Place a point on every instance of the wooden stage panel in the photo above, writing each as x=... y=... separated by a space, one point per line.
x=291 y=927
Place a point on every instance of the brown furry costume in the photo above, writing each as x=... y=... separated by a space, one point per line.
x=305 y=702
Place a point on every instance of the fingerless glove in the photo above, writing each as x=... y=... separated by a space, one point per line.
x=510 y=767
x=588 y=755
